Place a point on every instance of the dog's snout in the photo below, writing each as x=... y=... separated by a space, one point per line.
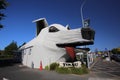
x=87 y=33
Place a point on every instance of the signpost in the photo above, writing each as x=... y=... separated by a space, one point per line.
x=76 y=64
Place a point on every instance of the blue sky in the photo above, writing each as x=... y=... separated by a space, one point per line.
x=104 y=16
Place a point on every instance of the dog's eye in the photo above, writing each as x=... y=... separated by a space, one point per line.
x=53 y=29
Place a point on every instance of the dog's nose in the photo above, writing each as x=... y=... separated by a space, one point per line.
x=88 y=33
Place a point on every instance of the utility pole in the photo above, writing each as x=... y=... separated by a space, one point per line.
x=81 y=9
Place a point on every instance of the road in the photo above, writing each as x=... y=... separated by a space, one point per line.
x=101 y=71
x=109 y=68
x=17 y=72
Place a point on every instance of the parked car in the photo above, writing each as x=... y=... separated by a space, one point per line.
x=115 y=57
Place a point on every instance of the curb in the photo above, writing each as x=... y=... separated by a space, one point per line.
x=96 y=60
x=115 y=62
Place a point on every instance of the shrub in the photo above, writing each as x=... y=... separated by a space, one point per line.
x=53 y=66
x=71 y=70
x=76 y=70
x=6 y=57
x=63 y=70
x=84 y=69
x=46 y=67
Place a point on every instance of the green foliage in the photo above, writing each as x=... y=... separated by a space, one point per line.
x=64 y=70
x=1 y=52
x=77 y=70
x=53 y=66
x=116 y=51
x=3 y=57
x=72 y=70
x=84 y=69
x=46 y=67
x=10 y=48
x=1 y=26
x=3 y=5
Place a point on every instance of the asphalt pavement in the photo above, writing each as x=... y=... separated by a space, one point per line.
x=19 y=72
x=107 y=69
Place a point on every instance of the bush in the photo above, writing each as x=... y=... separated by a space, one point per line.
x=76 y=70
x=63 y=70
x=71 y=70
x=84 y=69
x=46 y=67
x=6 y=57
x=53 y=66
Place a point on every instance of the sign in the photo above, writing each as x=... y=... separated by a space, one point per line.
x=87 y=23
x=76 y=64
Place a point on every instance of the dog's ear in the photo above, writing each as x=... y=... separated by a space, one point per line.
x=67 y=27
x=40 y=24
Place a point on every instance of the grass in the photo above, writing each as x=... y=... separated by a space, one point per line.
x=70 y=70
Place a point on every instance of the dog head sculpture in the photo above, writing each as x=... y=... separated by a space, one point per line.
x=50 y=43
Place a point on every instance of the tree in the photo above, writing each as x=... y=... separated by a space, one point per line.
x=3 y=6
x=116 y=51
x=10 y=48
x=1 y=52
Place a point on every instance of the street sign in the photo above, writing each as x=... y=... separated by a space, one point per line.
x=87 y=23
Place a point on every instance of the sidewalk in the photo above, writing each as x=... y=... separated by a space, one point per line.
x=104 y=70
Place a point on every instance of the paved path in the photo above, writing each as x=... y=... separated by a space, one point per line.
x=110 y=69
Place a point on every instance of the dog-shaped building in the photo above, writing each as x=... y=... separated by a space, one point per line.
x=54 y=43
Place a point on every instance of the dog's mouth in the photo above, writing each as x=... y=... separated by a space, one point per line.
x=70 y=47
x=74 y=44
x=86 y=39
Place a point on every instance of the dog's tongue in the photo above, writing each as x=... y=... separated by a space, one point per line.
x=71 y=52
